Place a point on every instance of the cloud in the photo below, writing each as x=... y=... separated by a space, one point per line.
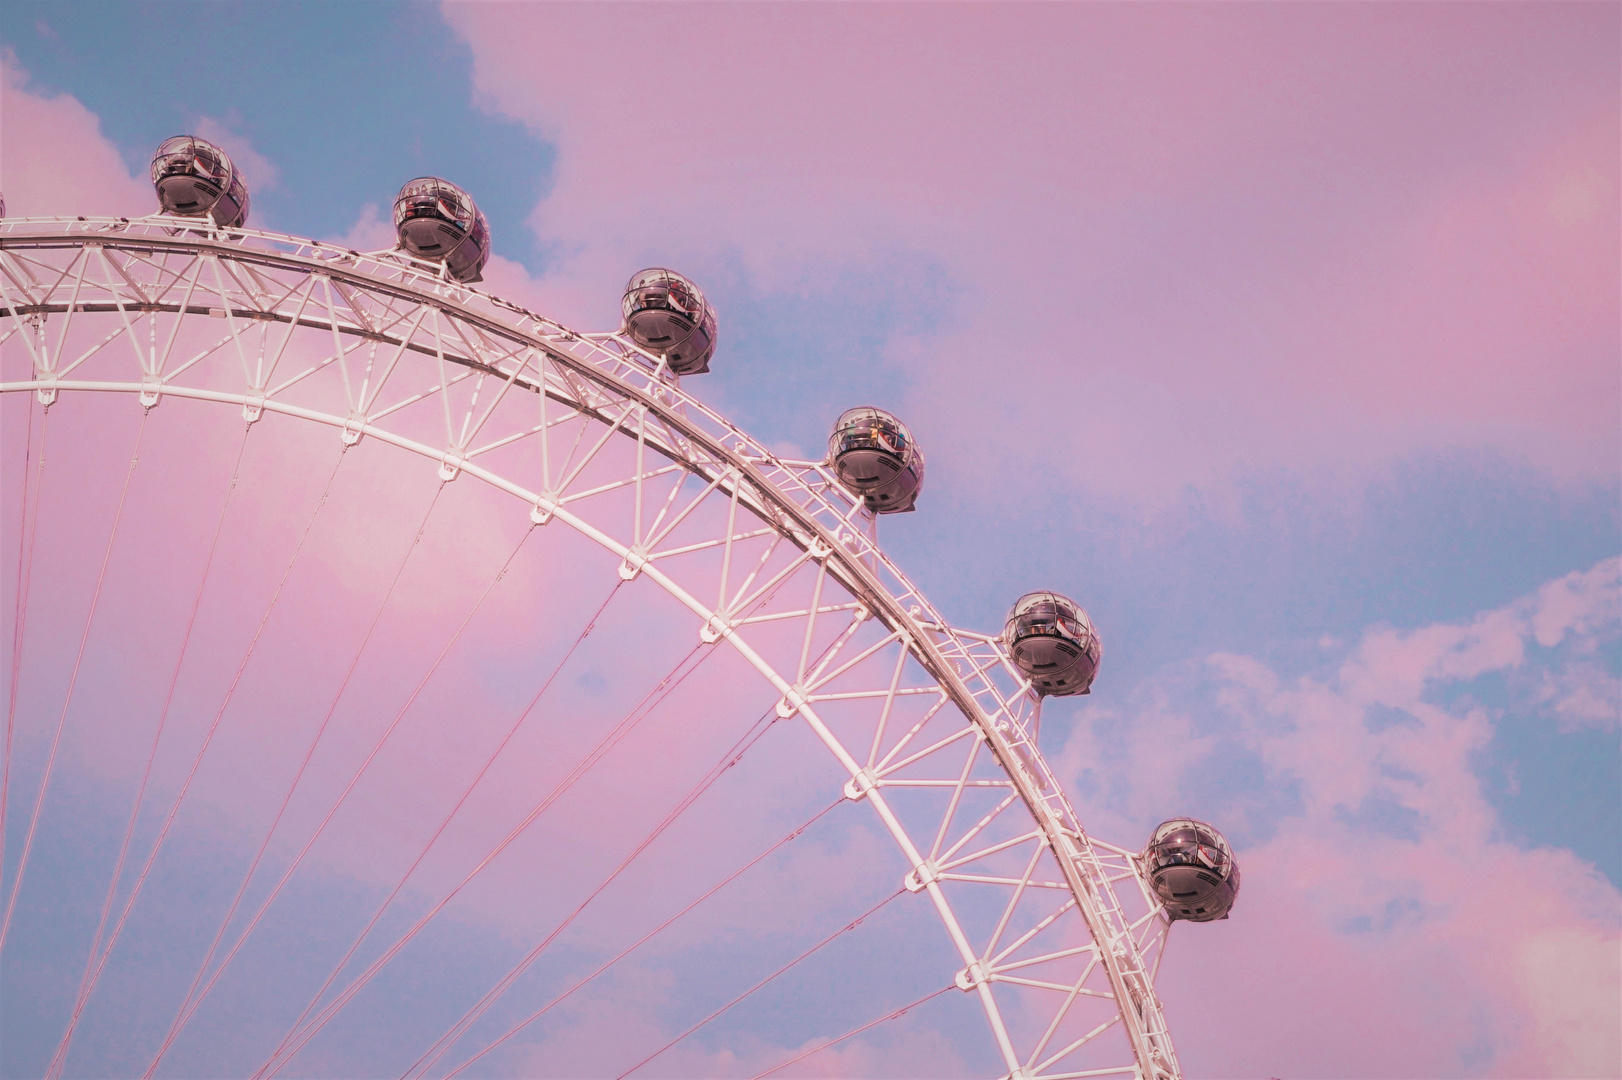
x=1379 y=892
x=1383 y=895
x=1159 y=256
x=372 y=231
x=258 y=171
x=54 y=160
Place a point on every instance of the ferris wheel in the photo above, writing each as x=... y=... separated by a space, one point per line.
x=703 y=568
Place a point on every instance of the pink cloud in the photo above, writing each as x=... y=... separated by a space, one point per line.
x=258 y=171
x=1223 y=238
x=53 y=159
x=1446 y=943
x=1468 y=954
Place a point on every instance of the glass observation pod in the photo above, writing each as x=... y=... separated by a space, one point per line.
x=439 y=222
x=194 y=177
x=875 y=456
x=667 y=315
x=1053 y=642
x=1192 y=869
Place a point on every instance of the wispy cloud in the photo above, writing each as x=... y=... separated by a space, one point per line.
x=1382 y=893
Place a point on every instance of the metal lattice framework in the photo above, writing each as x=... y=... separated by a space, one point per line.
x=773 y=557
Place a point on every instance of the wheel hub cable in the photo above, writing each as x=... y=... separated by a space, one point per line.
x=27 y=526
x=320 y=829
x=197 y=760
x=538 y=1013
x=186 y=1005
x=733 y=755
x=467 y=792
x=820 y=1047
x=91 y=970
x=609 y=741
x=298 y=1039
x=853 y=924
x=73 y=681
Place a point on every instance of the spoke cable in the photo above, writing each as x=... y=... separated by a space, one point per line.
x=608 y=742
x=27 y=527
x=467 y=792
x=820 y=1047
x=87 y=981
x=853 y=924
x=197 y=760
x=299 y=1037
x=73 y=681
x=733 y=755
x=538 y=1013
x=187 y=1005
x=355 y=779
x=296 y=1039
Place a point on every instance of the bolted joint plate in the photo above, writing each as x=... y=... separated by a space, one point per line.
x=971 y=976
x=790 y=703
x=632 y=566
x=857 y=787
x=920 y=876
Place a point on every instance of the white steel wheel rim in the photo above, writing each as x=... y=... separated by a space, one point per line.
x=117 y=272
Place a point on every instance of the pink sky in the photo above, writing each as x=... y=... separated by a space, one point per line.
x=1213 y=239
x=1462 y=937
x=1425 y=242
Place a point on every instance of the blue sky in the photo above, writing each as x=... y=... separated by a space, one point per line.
x=382 y=91
x=1291 y=562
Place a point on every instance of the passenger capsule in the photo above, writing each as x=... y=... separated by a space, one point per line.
x=194 y=177
x=1192 y=870
x=875 y=456
x=1051 y=640
x=439 y=222
x=666 y=314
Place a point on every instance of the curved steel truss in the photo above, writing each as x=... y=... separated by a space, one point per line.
x=931 y=723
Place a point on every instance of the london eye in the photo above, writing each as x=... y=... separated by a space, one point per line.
x=657 y=652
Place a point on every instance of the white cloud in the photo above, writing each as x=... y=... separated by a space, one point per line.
x=1372 y=853
x=259 y=172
